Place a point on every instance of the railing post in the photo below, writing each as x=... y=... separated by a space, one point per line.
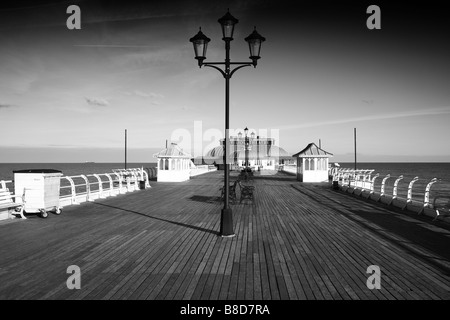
x=88 y=188
x=409 y=196
x=111 y=185
x=395 y=189
x=119 y=178
x=363 y=182
x=383 y=186
x=3 y=184
x=128 y=182
x=372 y=185
x=426 y=199
x=147 y=180
x=73 y=191
x=100 y=186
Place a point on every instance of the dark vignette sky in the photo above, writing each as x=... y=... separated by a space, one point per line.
x=68 y=95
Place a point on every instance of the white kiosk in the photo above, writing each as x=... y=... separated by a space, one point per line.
x=312 y=164
x=174 y=165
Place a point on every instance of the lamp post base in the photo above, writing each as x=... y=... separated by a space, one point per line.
x=226 y=223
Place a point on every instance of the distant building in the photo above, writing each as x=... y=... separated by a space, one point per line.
x=174 y=165
x=312 y=164
x=262 y=153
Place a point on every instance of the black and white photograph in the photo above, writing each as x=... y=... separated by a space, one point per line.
x=224 y=158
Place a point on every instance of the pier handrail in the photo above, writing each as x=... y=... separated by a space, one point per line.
x=372 y=185
x=88 y=187
x=351 y=180
x=409 y=195
x=426 y=199
x=383 y=185
x=395 y=190
x=93 y=187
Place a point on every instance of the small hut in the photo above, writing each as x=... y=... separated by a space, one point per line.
x=174 y=165
x=312 y=164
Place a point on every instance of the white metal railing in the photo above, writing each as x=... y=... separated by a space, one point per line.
x=81 y=188
x=76 y=189
x=352 y=180
x=201 y=169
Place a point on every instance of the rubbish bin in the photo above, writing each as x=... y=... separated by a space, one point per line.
x=142 y=184
x=40 y=188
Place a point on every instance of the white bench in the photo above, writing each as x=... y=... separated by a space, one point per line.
x=6 y=202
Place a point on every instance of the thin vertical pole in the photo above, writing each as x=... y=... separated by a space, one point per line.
x=355 y=145
x=320 y=144
x=226 y=218
x=125 y=149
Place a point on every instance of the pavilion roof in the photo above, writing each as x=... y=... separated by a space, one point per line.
x=173 y=151
x=312 y=150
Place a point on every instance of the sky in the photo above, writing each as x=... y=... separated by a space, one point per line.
x=69 y=95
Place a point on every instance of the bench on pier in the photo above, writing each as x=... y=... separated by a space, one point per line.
x=443 y=209
x=6 y=202
x=231 y=192
x=246 y=192
x=246 y=175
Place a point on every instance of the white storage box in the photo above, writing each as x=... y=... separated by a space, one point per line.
x=41 y=189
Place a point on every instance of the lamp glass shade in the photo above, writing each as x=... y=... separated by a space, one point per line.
x=254 y=41
x=246 y=131
x=200 y=42
x=227 y=23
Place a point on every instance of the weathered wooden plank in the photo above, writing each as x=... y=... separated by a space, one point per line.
x=295 y=241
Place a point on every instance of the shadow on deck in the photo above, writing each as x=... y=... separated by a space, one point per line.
x=296 y=241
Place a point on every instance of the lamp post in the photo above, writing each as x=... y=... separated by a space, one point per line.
x=200 y=42
x=252 y=137
x=239 y=141
x=247 y=147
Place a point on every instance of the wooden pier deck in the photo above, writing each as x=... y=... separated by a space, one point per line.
x=296 y=241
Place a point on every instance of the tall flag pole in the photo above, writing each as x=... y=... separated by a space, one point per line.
x=355 y=146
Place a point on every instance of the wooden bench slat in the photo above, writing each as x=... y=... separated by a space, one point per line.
x=7 y=202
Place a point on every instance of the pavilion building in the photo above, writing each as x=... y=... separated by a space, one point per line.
x=312 y=164
x=256 y=153
x=174 y=165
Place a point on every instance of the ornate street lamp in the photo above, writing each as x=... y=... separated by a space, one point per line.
x=227 y=23
x=254 y=41
x=200 y=42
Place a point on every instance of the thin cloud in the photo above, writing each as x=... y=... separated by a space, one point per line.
x=6 y=105
x=147 y=95
x=369 y=102
x=97 y=102
x=142 y=94
x=406 y=114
